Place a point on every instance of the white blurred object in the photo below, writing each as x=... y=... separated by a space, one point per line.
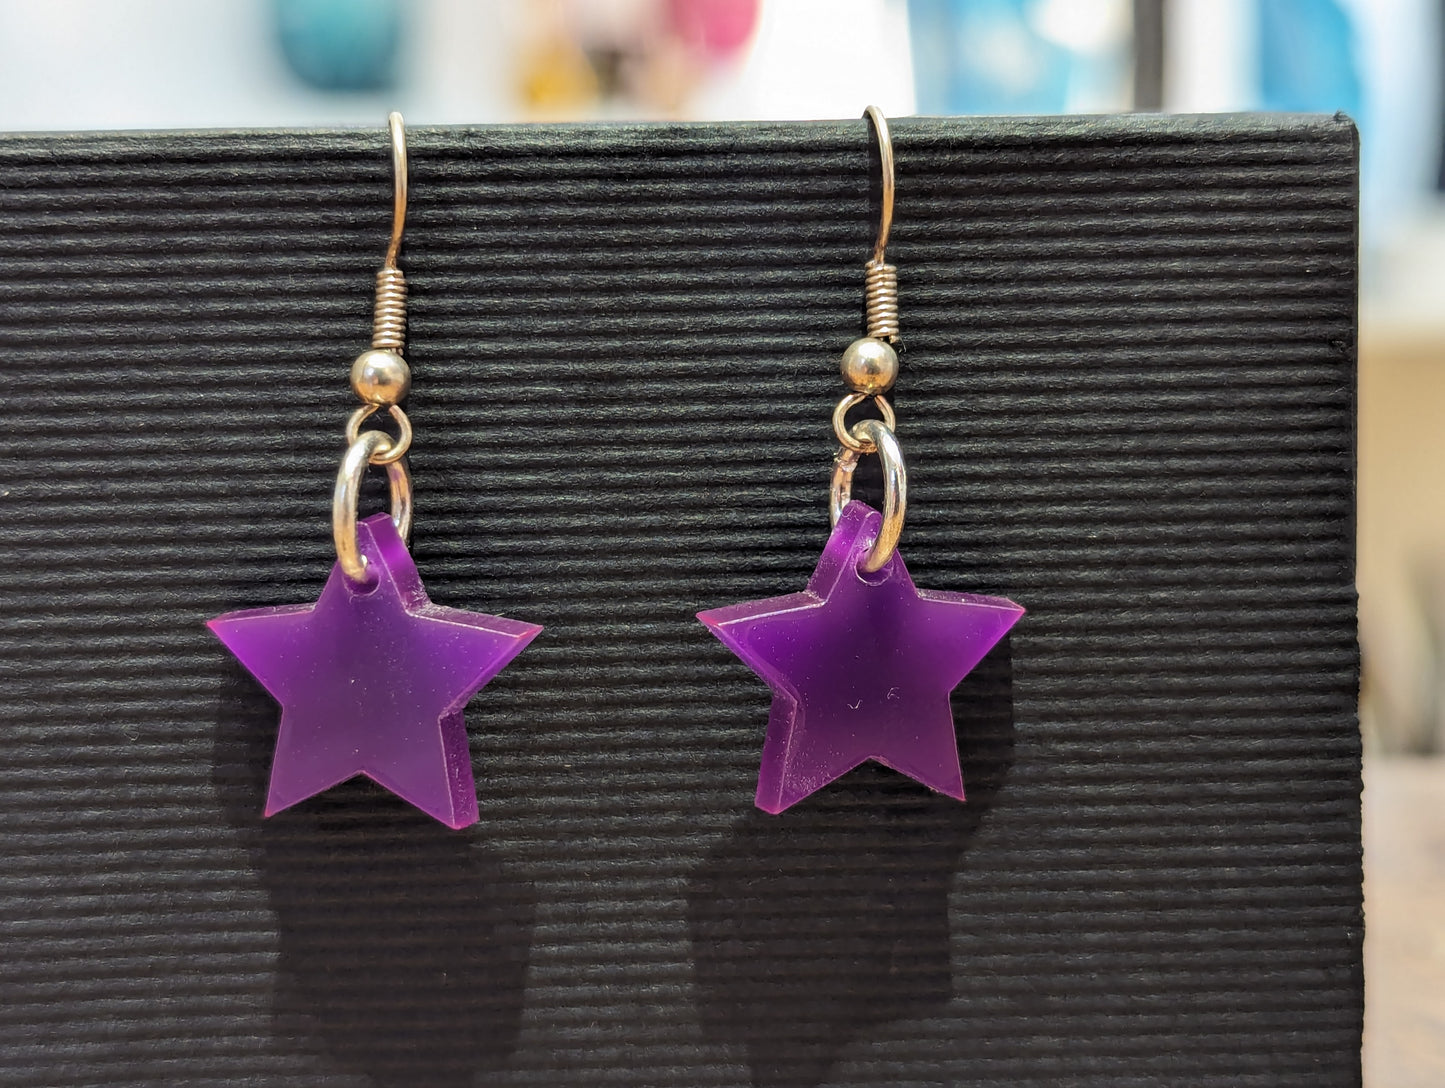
x=1405 y=304
x=457 y=65
x=1209 y=56
x=1101 y=34
x=819 y=58
x=76 y=64
x=1085 y=26
x=156 y=64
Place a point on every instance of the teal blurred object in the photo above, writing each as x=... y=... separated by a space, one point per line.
x=1307 y=57
x=341 y=45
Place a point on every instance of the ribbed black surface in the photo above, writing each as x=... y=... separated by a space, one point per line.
x=1127 y=403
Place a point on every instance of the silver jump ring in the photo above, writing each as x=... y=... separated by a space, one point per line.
x=397 y=447
x=840 y=421
x=348 y=493
x=895 y=488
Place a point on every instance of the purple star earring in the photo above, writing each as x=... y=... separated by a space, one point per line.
x=372 y=678
x=861 y=663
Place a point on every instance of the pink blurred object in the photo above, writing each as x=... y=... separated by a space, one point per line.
x=718 y=28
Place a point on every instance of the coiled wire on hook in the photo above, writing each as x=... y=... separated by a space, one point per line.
x=880 y=299
x=388 y=328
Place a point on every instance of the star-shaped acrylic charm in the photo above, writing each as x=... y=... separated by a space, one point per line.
x=373 y=680
x=861 y=666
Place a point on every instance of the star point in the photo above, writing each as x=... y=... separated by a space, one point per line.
x=861 y=667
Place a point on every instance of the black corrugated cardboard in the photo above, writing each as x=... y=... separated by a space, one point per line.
x=1126 y=401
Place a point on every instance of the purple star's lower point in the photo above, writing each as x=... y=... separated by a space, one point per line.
x=372 y=680
x=861 y=667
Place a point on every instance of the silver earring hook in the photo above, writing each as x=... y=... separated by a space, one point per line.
x=398 y=184
x=869 y=366
x=885 y=162
x=381 y=378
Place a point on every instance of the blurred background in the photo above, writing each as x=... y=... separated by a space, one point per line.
x=143 y=64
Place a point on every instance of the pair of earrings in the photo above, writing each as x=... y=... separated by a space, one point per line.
x=373 y=677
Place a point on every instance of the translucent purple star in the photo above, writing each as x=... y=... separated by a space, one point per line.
x=373 y=680
x=861 y=667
